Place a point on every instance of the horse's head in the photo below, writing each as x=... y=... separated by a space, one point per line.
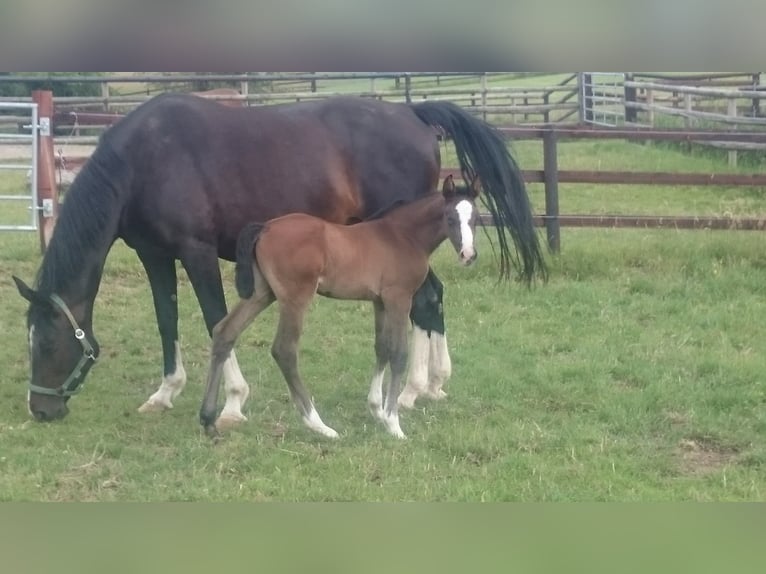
x=61 y=351
x=462 y=215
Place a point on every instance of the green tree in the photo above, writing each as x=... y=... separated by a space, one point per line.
x=48 y=81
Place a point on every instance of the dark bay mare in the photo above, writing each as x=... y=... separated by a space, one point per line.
x=385 y=260
x=180 y=176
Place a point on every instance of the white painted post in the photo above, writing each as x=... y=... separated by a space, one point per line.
x=732 y=112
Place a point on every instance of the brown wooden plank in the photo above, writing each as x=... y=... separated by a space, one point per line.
x=639 y=178
x=651 y=222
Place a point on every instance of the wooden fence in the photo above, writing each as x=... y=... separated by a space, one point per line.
x=551 y=175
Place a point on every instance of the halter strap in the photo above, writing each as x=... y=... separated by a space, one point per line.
x=72 y=384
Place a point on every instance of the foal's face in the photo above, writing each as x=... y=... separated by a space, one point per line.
x=462 y=215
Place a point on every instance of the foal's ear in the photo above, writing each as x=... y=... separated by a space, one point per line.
x=475 y=187
x=448 y=187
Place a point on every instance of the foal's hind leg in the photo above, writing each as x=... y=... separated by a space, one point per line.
x=285 y=353
x=225 y=334
x=201 y=263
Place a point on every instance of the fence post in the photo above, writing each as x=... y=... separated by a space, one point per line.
x=631 y=113
x=551 y=170
x=732 y=112
x=756 y=108
x=407 y=87
x=587 y=101
x=47 y=194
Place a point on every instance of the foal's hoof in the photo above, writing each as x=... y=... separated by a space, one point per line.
x=212 y=432
x=154 y=407
x=229 y=421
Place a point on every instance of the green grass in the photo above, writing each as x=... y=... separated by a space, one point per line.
x=636 y=373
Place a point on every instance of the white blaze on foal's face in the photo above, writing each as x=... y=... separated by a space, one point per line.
x=465 y=212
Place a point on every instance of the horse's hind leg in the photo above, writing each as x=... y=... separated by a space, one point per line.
x=285 y=353
x=161 y=272
x=225 y=335
x=430 y=362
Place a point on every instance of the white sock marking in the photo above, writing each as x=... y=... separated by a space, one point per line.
x=375 y=397
x=417 y=379
x=171 y=386
x=236 y=389
x=439 y=366
x=314 y=422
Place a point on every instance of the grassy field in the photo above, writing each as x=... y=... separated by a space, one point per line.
x=636 y=373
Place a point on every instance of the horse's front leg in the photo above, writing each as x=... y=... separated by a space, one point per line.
x=162 y=279
x=201 y=264
x=430 y=364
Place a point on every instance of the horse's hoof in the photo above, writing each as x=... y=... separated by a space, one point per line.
x=230 y=420
x=154 y=407
x=406 y=401
x=436 y=395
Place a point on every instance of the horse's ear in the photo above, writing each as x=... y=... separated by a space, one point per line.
x=448 y=187
x=475 y=187
x=27 y=292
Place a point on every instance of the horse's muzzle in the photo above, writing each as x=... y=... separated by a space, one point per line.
x=49 y=413
x=468 y=256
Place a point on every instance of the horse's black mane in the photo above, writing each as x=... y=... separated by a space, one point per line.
x=83 y=228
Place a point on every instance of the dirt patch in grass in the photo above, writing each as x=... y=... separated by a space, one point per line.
x=702 y=455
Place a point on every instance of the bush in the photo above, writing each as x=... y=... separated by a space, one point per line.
x=49 y=81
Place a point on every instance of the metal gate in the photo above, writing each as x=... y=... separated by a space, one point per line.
x=19 y=129
x=602 y=98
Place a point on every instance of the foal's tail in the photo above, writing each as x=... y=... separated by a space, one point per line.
x=244 y=278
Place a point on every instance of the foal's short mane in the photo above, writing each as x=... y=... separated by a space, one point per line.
x=87 y=216
x=461 y=190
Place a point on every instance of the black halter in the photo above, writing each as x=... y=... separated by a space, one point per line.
x=71 y=386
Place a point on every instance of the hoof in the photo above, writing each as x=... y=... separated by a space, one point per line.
x=407 y=401
x=436 y=395
x=377 y=412
x=229 y=421
x=154 y=407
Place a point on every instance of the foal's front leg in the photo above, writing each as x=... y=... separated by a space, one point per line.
x=394 y=343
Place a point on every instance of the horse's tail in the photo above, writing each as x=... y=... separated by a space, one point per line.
x=482 y=151
x=243 y=274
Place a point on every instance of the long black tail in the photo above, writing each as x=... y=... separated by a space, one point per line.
x=482 y=151
x=243 y=271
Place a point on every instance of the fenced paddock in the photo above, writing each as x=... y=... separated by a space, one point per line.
x=616 y=102
x=634 y=374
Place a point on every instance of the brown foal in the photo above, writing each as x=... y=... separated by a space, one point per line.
x=385 y=260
